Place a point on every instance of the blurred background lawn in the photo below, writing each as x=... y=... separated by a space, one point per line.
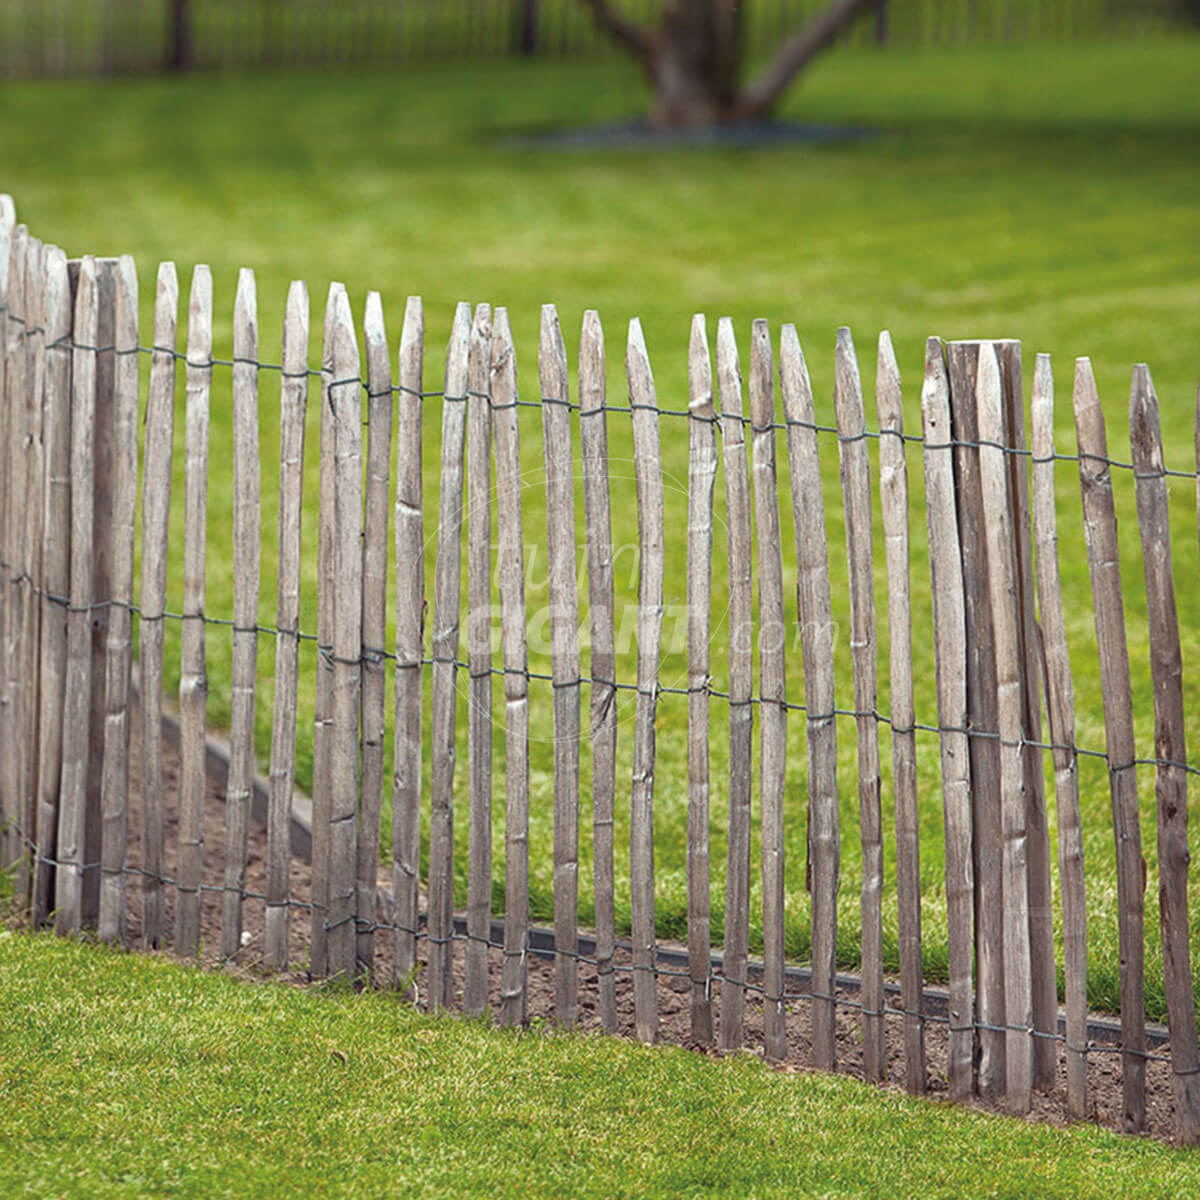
x=1044 y=193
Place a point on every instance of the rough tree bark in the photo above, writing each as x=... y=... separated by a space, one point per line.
x=693 y=58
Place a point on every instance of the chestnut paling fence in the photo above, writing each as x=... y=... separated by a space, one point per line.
x=69 y=465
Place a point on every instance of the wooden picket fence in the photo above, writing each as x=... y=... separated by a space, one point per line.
x=69 y=461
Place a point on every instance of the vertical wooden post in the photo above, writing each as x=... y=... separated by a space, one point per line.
x=445 y=655
x=1170 y=749
x=156 y=510
x=479 y=662
x=741 y=708
x=114 y=784
x=410 y=643
x=564 y=653
x=68 y=879
x=893 y=495
x=247 y=519
x=950 y=639
x=374 y=618
x=293 y=406
x=593 y=438
x=772 y=669
x=9 y=840
x=702 y=474
x=651 y=565
x=510 y=567
x=1100 y=530
x=193 y=680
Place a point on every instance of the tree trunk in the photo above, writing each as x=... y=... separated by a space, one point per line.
x=179 y=47
x=695 y=63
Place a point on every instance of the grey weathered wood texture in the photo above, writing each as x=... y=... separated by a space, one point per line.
x=564 y=657
x=962 y=360
x=343 y=398
x=856 y=493
x=815 y=614
x=10 y=844
x=56 y=570
x=68 y=879
x=479 y=662
x=293 y=408
x=893 y=495
x=510 y=569
x=651 y=567
x=741 y=670
x=1170 y=747
x=1100 y=530
x=1006 y=631
x=156 y=511
x=772 y=668
x=702 y=474
x=593 y=439
x=247 y=521
x=1060 y=709
x=446 y=601
x=410 y=641
x=376 y=502
x=949 y=633
x=193 y=680
x=114 y=783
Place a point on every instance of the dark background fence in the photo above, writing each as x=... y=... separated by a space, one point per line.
x=72 y=37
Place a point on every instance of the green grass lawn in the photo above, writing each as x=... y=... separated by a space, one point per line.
x=1047 y=194
x=133 y=1076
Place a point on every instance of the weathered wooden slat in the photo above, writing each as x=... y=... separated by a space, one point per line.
x=1100 y=531
x=1006 y=628
x=949 y=632
x=510 y=568
x=1060 y=709
x=741 y=670
x=1170 y=747
x=68 y=878
x=772 y=669
x=564 y=657
x=982 y=720
x=56 y=570
x=893 y=495
x=343 y=397
x=702 y=474
x=156 y=510
x=446 y=601
x=376 y=501
x=479 y=662
x=410 y=641
x=856 y=492
x=593 y=438
x=247 y=521
x=193 y=681
x=293 y=407
x=114 y=784
x=651 y=565
x=9 y=837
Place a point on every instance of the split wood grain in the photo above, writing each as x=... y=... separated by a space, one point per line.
x=1100 y=531
x=9 y=838
x=702 y=474
x=446 y=601
x=1060 y=709
x=410 y=641
x=156 y=513
x=593 y=437
x=772 y=669
x=651 y=567
x=510 y=569
x=1170 y=747
x=193 y=681
x=479 y=662
x=949 y=632
x=293 y=408
x=741 y=671
x=893 y=495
